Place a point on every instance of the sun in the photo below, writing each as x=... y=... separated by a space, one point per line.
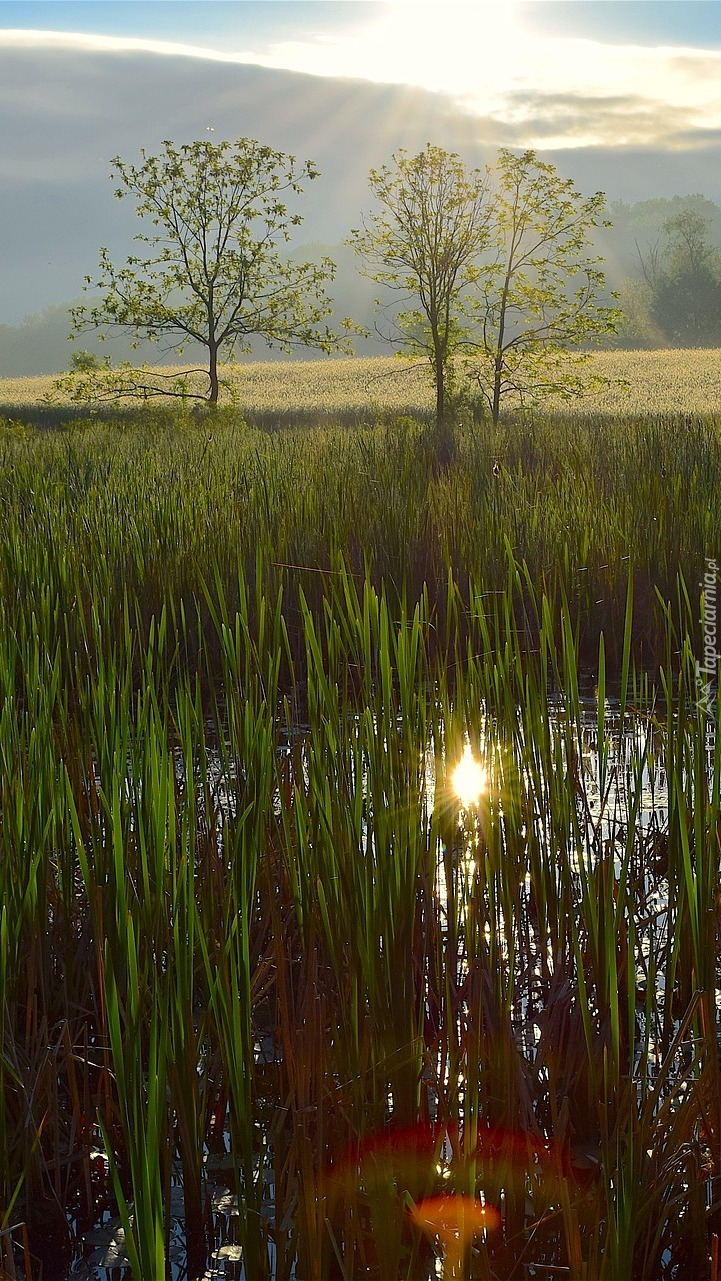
x=453 y=47
x=470 y=51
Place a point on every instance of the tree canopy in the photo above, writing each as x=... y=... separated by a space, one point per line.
x=684 y=282
x=500 y=266
x=423 y=242
x=539 y=304
x=215 y=221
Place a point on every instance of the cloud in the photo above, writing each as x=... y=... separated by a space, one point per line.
x=89 y=42
x=579 y=93
x=575 y=120
x=480 y=58
x=66 y=111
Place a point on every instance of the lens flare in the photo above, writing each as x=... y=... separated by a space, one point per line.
x=469 y=779
x=455 y=1221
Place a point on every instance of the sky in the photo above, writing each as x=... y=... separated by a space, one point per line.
x=557 y=73
x=622 y=95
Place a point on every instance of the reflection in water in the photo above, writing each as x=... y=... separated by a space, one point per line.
x=469 y=779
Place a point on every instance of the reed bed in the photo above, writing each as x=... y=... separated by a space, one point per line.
x=274 y=1003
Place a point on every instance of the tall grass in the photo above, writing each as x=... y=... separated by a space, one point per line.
x=249 y=936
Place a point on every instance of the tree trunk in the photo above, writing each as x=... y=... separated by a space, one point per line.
x=440 y=392
x=213 y=373
x=440 y=397
x=497 y=378
x=439 y=376
x=443 y=435
x=498 y=362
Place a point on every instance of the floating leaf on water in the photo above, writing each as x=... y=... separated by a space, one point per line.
x=114 y=1254
x=233 y=1252
x=223 y=1201
x=105 y=1233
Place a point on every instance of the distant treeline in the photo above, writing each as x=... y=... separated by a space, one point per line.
x=664 y=259
x=662 y=256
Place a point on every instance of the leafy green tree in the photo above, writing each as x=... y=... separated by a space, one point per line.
x=539 y=297
x=687 y=247
x=424 y=242
x=684 y=282
x=85 y=362
x=215 y=221
x=637 y=327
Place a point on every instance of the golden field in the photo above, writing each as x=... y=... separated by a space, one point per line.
x=666 y=381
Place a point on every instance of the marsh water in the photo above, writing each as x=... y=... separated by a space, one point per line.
x=615 y=771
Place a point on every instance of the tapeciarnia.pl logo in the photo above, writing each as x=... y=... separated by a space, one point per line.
x=707 y=671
